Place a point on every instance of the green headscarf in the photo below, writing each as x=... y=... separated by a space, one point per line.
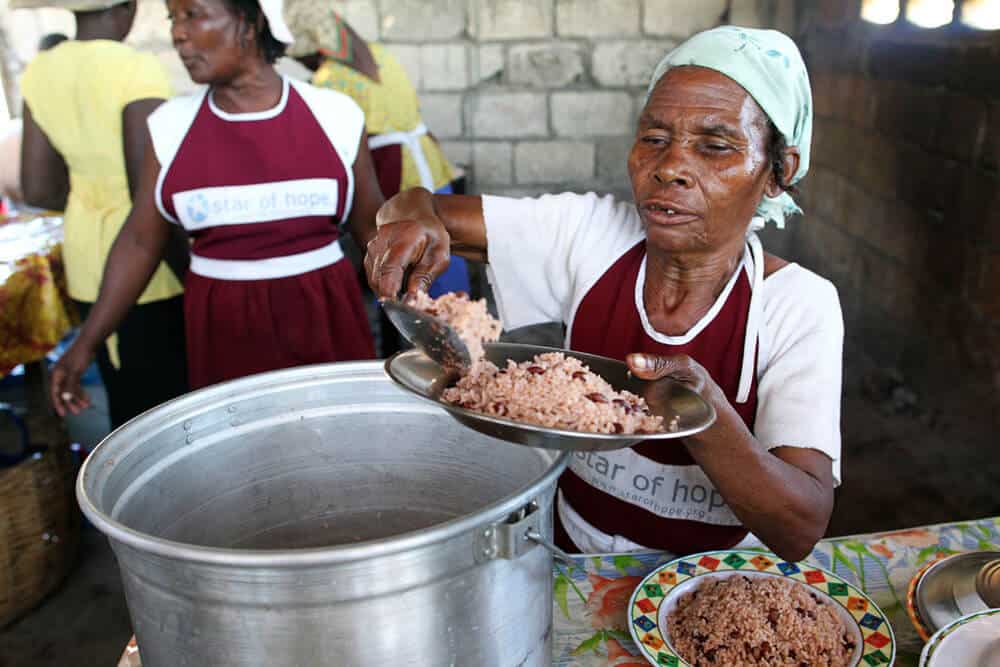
x=769 y=66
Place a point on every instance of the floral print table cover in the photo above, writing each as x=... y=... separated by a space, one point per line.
x=591 y=598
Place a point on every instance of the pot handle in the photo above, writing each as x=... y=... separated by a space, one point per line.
x=519 y=533
x=557 y=553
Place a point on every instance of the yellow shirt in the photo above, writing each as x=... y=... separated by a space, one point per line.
x=77 y=92
x=390 y=105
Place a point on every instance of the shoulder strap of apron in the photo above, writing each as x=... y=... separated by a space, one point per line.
x=411 y=140
x=753 y=320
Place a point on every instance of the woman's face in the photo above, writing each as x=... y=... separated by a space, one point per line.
x=699 y=163
x=212 y=41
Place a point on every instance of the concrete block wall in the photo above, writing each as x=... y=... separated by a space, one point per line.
x=903 y=199
x=527 y=96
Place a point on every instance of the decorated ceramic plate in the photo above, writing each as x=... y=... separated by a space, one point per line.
x=660 y=591
x=970 y=641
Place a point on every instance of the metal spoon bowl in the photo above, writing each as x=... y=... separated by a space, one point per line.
x=431 y=335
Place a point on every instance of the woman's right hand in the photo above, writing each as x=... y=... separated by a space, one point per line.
x=411 y=246
x=64 y=388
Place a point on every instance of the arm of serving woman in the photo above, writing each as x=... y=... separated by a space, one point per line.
x=134 y=256
x=783 y=495
x=417 y=231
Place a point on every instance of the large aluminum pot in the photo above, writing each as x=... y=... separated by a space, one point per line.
x=321 y=516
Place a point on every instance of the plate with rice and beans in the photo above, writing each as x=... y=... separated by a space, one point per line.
x=541 y=396
x=752 y=608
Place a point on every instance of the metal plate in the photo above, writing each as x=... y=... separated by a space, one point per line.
x=947 y=591
x=416 y=373
x=969 y=641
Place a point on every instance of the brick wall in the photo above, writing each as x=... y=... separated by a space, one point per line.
x=527 y=96
x=903 y=199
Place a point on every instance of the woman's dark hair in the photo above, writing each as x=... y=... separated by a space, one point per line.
x=249 y=10
x=776 y=146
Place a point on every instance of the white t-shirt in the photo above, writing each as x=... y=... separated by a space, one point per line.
x=545 y=254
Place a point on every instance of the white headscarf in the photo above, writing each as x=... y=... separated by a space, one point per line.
x=768 y=65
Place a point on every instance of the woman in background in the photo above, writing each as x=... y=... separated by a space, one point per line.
x=86 y=102
x=404 y=152
x=261 y=171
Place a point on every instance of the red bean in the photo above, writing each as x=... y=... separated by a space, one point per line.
x=536 y=370
x=624 y=405
x=597 y=398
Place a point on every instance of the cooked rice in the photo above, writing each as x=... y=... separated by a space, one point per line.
x=765 y=621
x=470 y=319
x=554 y=391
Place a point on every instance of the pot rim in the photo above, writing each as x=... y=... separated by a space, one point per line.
x=282 y=558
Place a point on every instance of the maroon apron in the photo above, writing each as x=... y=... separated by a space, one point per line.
x=237 y=325
x=619 y=493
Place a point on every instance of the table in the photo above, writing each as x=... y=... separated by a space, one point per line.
x=35 y=309
x=590 y=601
x=591 y=597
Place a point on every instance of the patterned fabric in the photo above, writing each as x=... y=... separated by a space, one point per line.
x=589 y=609
x=591 y=599
x=35 y=310
x=317 y=29
x=390 y=105
x=768 y=65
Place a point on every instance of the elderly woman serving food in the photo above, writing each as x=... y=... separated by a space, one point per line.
x=678 y=285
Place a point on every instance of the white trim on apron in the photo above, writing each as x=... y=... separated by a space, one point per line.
x=266 y=269
x=411 y=140
x=592 y=540
x=753 y=320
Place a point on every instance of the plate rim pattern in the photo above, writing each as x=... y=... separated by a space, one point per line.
x=657 y=650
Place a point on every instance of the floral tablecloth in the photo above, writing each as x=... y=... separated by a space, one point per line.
x=35 y=310
x=591 y=599
x=589 y=624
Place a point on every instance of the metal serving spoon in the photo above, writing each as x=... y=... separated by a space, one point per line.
x=432 y=335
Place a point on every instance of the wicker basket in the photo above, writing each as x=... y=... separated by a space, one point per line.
x=39 y=522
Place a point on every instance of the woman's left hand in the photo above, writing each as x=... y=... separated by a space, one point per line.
x=792 y=516
x=682 y=369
